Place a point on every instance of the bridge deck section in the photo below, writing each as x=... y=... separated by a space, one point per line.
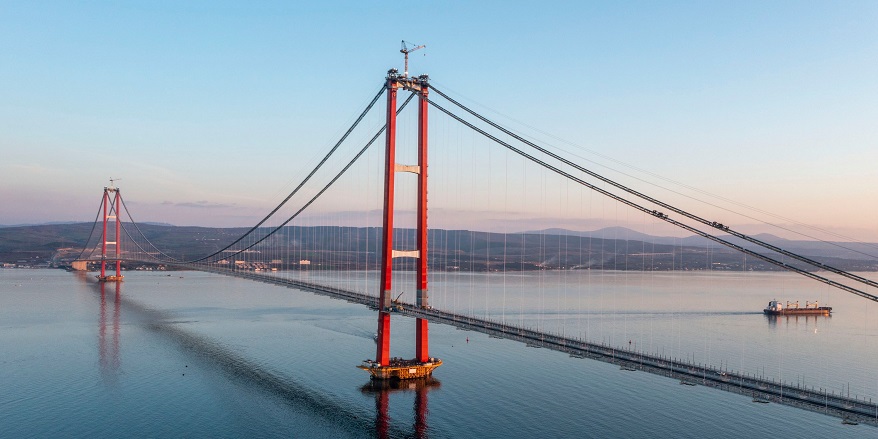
x=689 y=373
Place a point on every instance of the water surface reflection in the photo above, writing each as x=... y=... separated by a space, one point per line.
x=810 y=322
x=108 y=347
x=382 y=391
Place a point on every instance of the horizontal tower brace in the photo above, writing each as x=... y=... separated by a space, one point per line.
x=414 y=169
x=405 y=254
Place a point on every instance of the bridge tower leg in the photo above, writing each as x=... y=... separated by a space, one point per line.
x=116 y=202
x=422 y=335
x=118 y=243
x=422 y=365
x=382 y=357
x=106 y=203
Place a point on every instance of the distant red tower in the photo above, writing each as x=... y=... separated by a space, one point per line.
x=116 y=202
x=422 y=365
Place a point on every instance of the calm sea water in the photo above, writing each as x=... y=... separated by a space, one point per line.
x=200 y=355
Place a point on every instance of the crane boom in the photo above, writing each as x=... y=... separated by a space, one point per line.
x=406 y=51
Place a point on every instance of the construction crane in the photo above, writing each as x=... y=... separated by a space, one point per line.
x=406 y=51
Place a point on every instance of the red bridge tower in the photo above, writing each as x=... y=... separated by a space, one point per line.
x=111 y=189
x=422 y=365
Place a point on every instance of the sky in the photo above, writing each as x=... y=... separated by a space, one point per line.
x=769 y=104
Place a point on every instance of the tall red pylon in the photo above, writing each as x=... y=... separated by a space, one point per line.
x=117 y=247
x=422 y=365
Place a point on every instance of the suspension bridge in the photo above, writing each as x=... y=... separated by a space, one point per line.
x=371 y=259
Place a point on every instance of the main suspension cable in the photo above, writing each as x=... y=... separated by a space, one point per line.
x=643 y=196
x=93 y=227
x=655 y=213
x=325 y=188
x=125 y=207
x=709 y=194
x=311 y=174
x=137 y=244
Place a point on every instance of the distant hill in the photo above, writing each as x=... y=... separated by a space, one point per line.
x=51 y=223
x=843 y=250
x=358 y=248
x=55 y=223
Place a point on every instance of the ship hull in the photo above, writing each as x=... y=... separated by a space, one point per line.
x=822 y=311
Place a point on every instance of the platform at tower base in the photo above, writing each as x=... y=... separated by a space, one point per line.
x=400 y=369
x=110 y=278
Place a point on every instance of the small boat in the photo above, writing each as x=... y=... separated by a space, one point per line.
x=849 y=421
x=792 y=309
x=687 y=383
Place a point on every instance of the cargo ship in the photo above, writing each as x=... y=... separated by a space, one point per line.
x=811 y=309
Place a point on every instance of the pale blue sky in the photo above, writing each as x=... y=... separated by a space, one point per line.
x=774 y=104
